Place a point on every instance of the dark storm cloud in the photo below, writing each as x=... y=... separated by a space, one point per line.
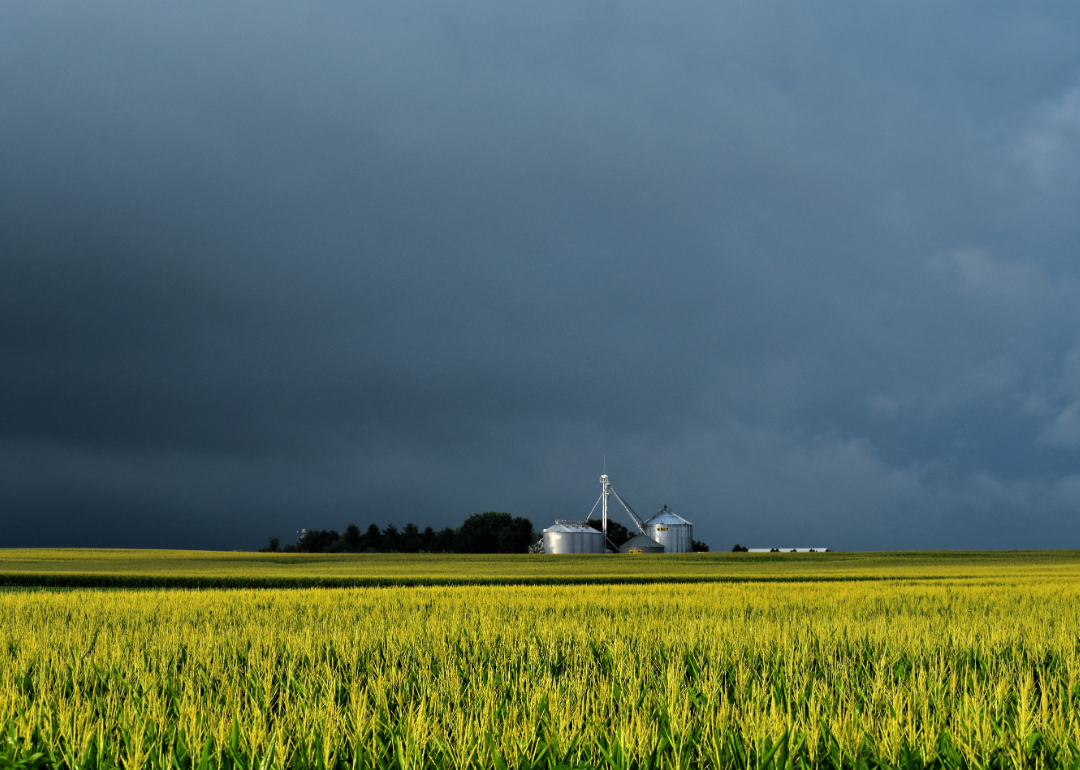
x=806 y=273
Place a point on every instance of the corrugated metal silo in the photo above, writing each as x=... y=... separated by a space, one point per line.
x=673 y=532
x=572 y=537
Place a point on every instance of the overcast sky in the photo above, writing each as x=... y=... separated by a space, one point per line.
x=806 y=272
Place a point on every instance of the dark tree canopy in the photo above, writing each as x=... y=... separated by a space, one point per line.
x=372 y=538
x=317 y=540
x=616 y=532
x=493 y=532
x=427 y=540
x=410 y=538
x=391 y=538
x=489 y=532
x=444 y=540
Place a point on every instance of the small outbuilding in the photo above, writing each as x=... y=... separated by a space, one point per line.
x=641 y=544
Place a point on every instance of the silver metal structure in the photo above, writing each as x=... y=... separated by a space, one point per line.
x=572 y=537
x=604 y=494
x=637 y=520
x=610 y=490
x=673 y=532
x=641 y=544
x=654 y=536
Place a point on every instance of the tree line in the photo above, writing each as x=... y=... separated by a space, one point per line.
x=488 y=532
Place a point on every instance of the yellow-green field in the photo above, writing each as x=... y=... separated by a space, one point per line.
x=39 y=566
x=978 y=670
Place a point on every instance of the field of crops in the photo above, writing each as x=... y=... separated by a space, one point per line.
x=73 y=567
x=958 y=674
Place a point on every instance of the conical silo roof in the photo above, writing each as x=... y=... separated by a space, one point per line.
x=642 y=543
x=665 y=518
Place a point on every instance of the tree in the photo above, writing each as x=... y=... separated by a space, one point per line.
x=353 y=538
x=316 y=540
x=372 y=539
x=391 y=538
x=444 y=541
x=410 y=538
x=274 y=547
x=515 y=537
x=427 y=540
x=698 y=546
x=739 y=549
x=493 y=532
x=479 y=533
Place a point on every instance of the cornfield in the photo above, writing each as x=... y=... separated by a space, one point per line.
x=976 y=674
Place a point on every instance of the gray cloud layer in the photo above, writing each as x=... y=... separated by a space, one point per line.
x=804 y=272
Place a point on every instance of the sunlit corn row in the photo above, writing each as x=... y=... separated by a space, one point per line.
x=701 y=676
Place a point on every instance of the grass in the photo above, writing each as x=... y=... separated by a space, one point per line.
x=191 y=569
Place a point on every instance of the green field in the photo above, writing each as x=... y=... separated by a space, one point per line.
x=958 y=661
x=103 y=567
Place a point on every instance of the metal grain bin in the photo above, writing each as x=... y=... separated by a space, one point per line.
x=641 y=544
x=673 y=532
x=572 y=537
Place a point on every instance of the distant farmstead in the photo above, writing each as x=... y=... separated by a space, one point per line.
x=665 y=532
x=787 y=550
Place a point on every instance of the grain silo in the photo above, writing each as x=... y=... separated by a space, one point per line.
x=572 y=537
x=663 y=533
x=641 y=544
x=673 y=532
